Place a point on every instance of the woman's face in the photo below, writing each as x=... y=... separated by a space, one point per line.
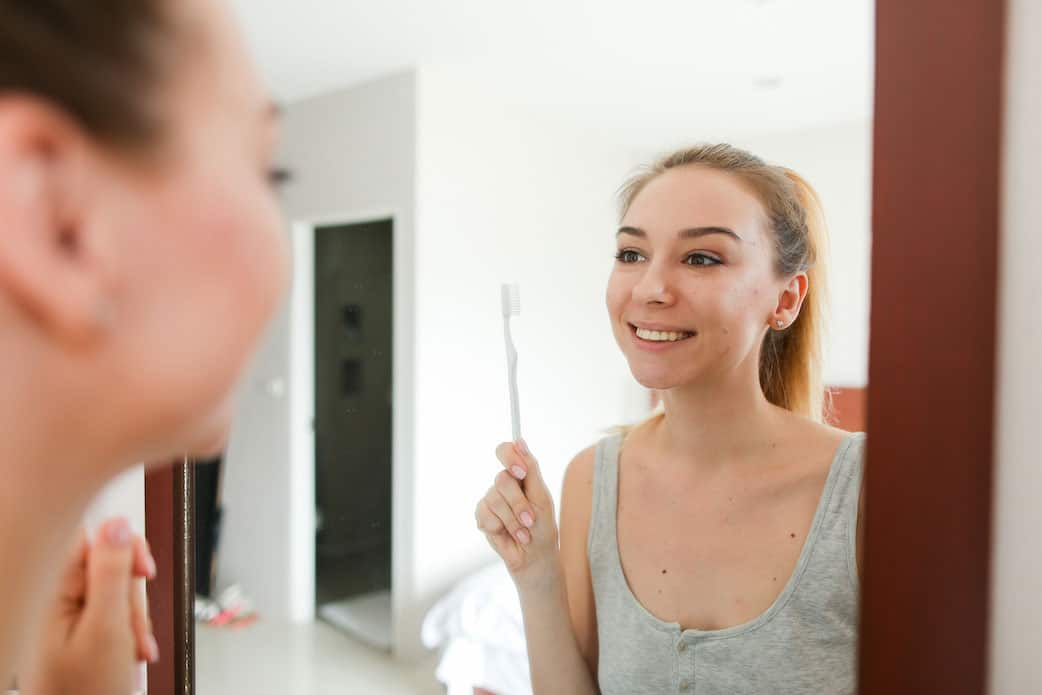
x=693 y=289
x=201 y=251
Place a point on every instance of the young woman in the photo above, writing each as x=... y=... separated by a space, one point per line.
x=141 y=257
x=714 y=547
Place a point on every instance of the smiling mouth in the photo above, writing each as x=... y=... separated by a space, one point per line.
x=660 y=336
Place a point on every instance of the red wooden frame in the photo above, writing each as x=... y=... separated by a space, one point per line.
x=169 y=528
x=935 y=221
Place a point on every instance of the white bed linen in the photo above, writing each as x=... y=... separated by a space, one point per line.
x=479 y=630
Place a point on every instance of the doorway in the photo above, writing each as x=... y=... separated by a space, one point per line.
x=353 y=408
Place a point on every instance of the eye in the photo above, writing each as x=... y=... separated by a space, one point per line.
x=628 y=256
x=701 y=259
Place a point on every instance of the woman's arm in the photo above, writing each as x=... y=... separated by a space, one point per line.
x=532 y=555
x=554 y=657
x=576 y=506
x=560 y=619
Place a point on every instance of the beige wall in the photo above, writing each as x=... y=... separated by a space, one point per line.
x=1016 y=618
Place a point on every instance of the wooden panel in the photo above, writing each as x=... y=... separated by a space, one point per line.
x=171 y=596
x=159 y=517
x=932 y=352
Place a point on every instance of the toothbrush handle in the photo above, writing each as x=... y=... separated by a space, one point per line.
x=515 y=406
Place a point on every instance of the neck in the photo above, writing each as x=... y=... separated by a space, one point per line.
x=50 y=477
x=714 y=424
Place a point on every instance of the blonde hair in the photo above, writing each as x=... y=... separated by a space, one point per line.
x=790 y=359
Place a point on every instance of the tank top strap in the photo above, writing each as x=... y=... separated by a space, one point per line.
x=601 y=543
x=839 y=524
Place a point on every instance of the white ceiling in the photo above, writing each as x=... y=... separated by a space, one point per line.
x=679 y=66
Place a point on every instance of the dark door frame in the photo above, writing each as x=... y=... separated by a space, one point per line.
x=936 y=153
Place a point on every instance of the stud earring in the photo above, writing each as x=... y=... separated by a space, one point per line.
x=779 y=323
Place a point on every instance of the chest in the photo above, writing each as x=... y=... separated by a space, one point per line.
x=713 y=554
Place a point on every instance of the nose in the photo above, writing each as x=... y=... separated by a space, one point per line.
x=654 y=286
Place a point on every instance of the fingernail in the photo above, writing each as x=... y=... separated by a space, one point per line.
x=527 y=519
x=153 y=650
x=523 y=536
x=524 y=447
x=150 y=566
x=117 y=533
x=518 y=472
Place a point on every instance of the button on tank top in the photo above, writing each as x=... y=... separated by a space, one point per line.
x=804 y=643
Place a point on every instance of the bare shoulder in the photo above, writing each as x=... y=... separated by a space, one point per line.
x=577 y=505
x=830 y=439
x=813 y=441
x=577 y=488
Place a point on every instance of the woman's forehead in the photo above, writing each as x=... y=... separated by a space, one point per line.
x=692 y=196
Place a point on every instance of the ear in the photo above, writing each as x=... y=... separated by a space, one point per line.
x=790 y=299
x=49 y=263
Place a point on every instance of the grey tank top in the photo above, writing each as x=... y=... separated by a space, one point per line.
x=804 y=643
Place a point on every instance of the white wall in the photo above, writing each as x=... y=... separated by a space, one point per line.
x=254 y=540
x=123 y=496
x=837 y=161
x=352 y=154
x=1016 y=611
x=503 y=196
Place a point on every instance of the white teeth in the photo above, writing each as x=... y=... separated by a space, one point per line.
x=662 y=336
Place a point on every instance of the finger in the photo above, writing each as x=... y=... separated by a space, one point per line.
x=73 y=582
x=499 y=506
x=512 y=460
x=109 y=575
x=488 y=522
x=528 y=461
x=511 y=491
x=144 y=562
x=534 y=487
x=145 y=641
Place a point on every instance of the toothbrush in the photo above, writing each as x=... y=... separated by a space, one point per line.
x=512 y=307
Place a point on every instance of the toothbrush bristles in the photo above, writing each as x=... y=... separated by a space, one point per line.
x=511 y=300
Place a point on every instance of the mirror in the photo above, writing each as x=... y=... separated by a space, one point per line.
x=440 y=150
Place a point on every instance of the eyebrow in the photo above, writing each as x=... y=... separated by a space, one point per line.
x=692 y=233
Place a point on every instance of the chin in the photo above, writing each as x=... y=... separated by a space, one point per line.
x=174 y=437
x=213 y=438
x=209 y=448
x=654 y=381
x=208 y=439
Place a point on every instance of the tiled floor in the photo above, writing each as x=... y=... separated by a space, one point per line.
x=367 y=617
x=311 y=659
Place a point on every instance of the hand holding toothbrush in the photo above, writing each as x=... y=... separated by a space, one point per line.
x=517 y=513
x=517 y=516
